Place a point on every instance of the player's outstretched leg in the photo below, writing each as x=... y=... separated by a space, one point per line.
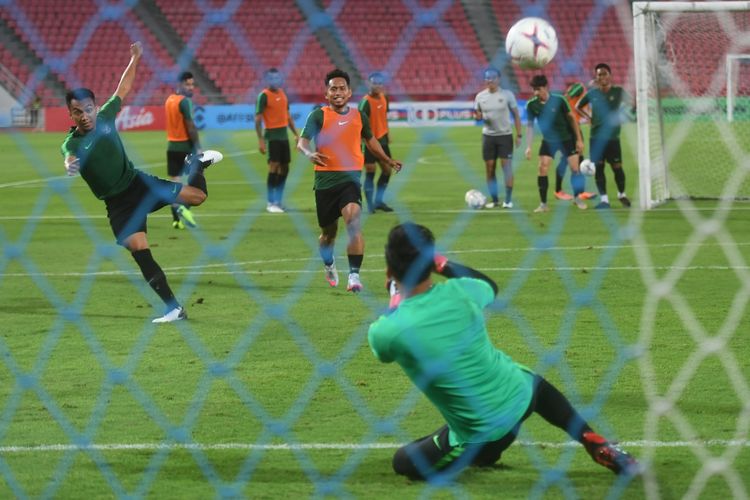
x=555 y=408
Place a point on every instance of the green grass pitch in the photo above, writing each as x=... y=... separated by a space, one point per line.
x=270 y=388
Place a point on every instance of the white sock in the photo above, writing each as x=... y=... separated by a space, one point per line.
x=605 y=198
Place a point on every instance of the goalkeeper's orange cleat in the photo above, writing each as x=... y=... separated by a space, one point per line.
x=609 y=455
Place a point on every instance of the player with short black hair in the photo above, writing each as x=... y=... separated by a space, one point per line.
x=94 y=149
x=338 y=132
x=495 y=106
x=375 y=106
x=438 y=335
x=182 y=140
x=272 y=111
x=607 y=114
x=560 y=132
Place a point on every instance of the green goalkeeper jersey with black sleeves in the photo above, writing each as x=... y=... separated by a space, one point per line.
x=440 y=340
x=104 y=165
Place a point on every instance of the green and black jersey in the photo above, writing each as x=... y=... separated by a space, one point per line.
x=552 y=118
x=606 y=111
x=104 y=165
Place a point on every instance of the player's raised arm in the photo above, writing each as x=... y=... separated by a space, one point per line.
x=449 y=269
x=128 y=76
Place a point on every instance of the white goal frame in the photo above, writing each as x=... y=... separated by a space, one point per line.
x=732 y=64
x=643 y=50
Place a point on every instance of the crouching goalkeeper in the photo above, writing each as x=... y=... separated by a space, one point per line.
x=436 y=332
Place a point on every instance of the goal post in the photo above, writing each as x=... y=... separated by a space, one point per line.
x=733 y=74
x=693 y=112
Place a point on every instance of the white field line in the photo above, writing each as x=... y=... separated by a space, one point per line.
x=311 y=209
x=144 y=166
x=193 y=270
x=214 y=268
x=337 y=446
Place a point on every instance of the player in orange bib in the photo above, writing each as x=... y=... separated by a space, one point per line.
x=272 y=110
x=375 y=106
x=338 y=132
x=182 y=140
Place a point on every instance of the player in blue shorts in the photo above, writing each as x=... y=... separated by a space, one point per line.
x=437 y=334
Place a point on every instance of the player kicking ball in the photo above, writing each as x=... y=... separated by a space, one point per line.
x=437 y=333
x=94 y=149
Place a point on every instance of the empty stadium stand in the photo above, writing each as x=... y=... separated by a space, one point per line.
x=429 y=48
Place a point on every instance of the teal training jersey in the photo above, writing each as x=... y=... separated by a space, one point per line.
x=104 y=164
x=552 y=118
x=606 y=111
x=440 y=340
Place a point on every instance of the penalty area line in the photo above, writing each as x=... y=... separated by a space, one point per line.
x=337 y=446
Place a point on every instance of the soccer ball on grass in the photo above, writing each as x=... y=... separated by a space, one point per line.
x=588 y=167
x=531 y=43
x=475 y=199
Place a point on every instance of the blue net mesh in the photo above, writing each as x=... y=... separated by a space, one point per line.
x=428 y=50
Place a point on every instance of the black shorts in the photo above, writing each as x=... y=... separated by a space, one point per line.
x=329 y=202
x=278 y=152
x=127 y=211
x=433 y=453
x=176 y=163
x=497 y=146
x=609 y=151
x=370 y=158
x=568 y=148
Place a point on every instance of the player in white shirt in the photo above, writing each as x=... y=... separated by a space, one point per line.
x=496 y=106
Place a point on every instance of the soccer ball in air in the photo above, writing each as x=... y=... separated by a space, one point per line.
x=588 y=167
x=531 y=43
x=475 y=199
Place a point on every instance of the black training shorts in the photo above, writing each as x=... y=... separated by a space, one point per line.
x=370 y=158
x=329 y=202
x=176 y=163
x=549 y=148
x=278 y=151
x=609 y=151
x=127 y=210
x=497 y=146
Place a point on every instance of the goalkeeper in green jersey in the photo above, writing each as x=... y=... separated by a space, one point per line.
x=437 y=334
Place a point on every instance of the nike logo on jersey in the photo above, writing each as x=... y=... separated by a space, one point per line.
x=278 y=98
x=380 y=106
x=344 y=123
x=435 y=440
x=87 y=146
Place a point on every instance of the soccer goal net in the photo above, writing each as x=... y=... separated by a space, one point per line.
x=693 y=100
